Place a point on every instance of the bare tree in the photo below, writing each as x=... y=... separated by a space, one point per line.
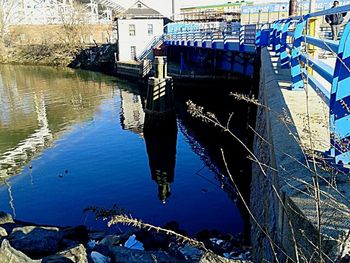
x=8 y=10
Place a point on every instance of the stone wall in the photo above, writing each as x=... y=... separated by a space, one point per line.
x=282 y=194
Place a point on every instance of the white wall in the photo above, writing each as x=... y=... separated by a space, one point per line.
x=141 y=38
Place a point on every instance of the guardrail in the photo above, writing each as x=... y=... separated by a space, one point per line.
x=154 y=43
x=221 y=36
x=294 y=41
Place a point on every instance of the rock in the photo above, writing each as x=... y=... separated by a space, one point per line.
x=77 y=233
x=75 y=254
x=110 y=240
x=10 y=255
x=133 y=243
x=3 y=232
x=99 y=258
x=213 y=258
x=5 y=218
x=36 y=241
x=96 y=235
x=122 y=254
x=191 y=253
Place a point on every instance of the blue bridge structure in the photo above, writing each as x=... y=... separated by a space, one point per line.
x=297 y=47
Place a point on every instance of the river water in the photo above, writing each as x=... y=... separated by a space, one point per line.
x=74 y=139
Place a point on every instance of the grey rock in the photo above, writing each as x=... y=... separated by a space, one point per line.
x=36 y=241
x=5 y=218
x=110 y=240
x=77 y=233
x=75 y=254
x=10 y=255
x=122 y=254
x=97 y=235
x=3 y=232
x=191 y=253
x=213 y=258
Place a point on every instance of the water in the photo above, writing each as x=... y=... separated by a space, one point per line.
x=72 y=139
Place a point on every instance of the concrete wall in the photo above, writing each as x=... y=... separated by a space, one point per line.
x=282 y=196
x=140 y=40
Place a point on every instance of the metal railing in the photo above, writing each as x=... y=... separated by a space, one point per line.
x=154 y=43
x=296 y=43
x=222 y=36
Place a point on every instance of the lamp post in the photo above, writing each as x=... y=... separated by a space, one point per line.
x=173 y=9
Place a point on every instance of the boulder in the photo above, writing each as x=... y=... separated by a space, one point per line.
x=5 y=218
x=122 y=254
x=10 y=255
x=77 y=233
x=36 y=241
x=3 y=232
x=75 y=254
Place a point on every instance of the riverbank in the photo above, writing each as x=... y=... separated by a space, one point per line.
x=58 y=55
x=28 y=242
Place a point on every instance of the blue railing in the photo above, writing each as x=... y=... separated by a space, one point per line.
x=215 y=35
x=291 y=41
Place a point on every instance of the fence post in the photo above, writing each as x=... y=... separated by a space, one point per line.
x=339 y=104
x=272 y=34
x=241 y=38
x=278 y=37
x=297 y=77
x=284 y=56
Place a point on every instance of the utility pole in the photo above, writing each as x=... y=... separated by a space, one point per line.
x=173 y=9
x=292 y=7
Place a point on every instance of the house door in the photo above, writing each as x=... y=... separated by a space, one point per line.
x=133 y=52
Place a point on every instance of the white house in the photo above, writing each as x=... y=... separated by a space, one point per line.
x=137 y=27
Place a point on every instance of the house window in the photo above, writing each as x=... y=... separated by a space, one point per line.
x=133 y=52
x=139 y=5
x=132 y=31
x=150 y=29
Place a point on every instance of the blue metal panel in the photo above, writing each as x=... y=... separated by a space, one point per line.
x=325 y=44
x=339 y=103
x=325 y=70
x=284 y=56
x=297 y=78
x=278 y=33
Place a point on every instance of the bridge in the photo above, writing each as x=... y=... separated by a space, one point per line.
x=294 y=43
x=302 y=131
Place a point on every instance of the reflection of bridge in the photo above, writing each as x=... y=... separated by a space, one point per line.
x=57 y=11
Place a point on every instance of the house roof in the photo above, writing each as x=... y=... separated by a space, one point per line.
x=140 y=10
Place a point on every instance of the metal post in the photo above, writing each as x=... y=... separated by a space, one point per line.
x=297 y=78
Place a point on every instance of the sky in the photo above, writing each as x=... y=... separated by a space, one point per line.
x=164 y=6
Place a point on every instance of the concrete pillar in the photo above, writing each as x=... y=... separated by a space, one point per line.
x=160 y=98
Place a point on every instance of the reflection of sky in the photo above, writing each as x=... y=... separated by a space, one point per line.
x=107 y=165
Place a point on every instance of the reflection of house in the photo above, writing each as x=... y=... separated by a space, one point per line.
x=132 y=114
x=222 y=12
x=137 y=27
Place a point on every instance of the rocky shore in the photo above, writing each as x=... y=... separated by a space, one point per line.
x=23 y=242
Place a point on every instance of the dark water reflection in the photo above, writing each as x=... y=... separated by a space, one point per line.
x=73 y=139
